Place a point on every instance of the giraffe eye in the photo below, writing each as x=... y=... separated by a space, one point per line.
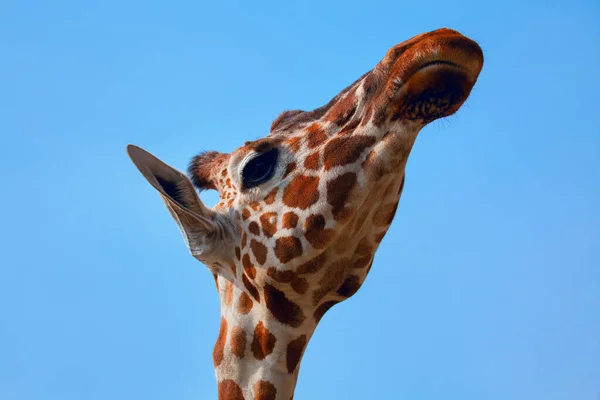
x=259 y=169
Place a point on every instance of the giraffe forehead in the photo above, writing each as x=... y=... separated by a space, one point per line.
x=319 y=145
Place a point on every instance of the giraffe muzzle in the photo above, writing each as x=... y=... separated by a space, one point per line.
x=433 y=74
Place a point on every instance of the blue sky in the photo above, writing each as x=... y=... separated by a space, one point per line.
x=486 y=287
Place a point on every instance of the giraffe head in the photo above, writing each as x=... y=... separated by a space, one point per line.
x=303 y=210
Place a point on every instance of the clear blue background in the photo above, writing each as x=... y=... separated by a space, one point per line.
x=486 y=287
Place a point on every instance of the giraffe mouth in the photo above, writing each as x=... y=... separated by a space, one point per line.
x=437 y=88
x=435 y=65
x=428 y=73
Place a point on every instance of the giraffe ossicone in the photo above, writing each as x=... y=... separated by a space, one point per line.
x=303 y=210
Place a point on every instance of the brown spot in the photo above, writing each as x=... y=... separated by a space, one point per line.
x=379 y=237
x=250 y=287
x=282 y=308
x=245 y=213
x=224 y=172
x=300 y=285
x=263 y=342
x=244 y=304
x=344 y=215
x=316 y=135
x=332 y=278
x=233 y=268
x=349 y=128
x=281 y=276
x=289 y=220
x=287 y=248
x=244 y=239
x=247 y=264
x=369 y=111
x=264 y=390
x=302 y=192
x=220 y=345
x=349 y=287
x=237 y=253
x=345 y=150
x=294 y=352
x=315 y=232
x=364 y=253
x=313 y=161
x=294 y=143
x=229 y=390
x=269 y=228
x=288 y=170
x=238 y=341
x=271 y=196
x=385 y=214
x=362 y=262
x=228 y=293
x=313 y=265
x=260 y=252
x=253 y=228
x=323 y=308
x=364 y=248
x=338 y=191
x=343 y=109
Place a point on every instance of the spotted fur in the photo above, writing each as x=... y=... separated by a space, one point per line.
x=285 y=252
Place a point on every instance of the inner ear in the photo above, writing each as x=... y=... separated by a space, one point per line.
x=175 y=187
x=173 y=190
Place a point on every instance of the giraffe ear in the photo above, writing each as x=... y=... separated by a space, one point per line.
x=178 y=194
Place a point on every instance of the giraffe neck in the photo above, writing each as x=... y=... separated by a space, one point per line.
x=255 y=357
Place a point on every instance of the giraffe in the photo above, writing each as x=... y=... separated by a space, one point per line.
x=303 y=210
